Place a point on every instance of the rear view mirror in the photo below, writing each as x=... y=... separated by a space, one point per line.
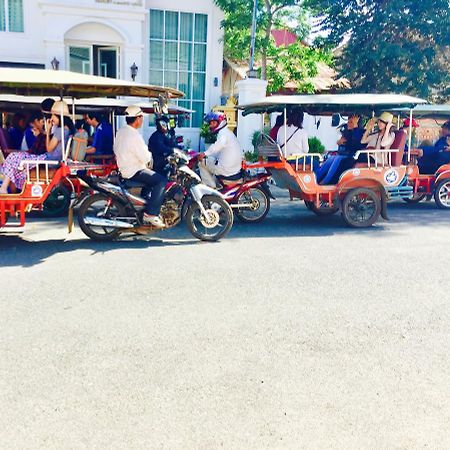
x=335 y=120
x=156 y=108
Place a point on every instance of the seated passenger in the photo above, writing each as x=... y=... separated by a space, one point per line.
x=382 y=138
x=16 y=131
x=160 y=145
x=279 y=121
x=350 y=142
x=224 y=157
x=438 y=154
x=54 y=147
x=102 y=143
x=293 y=136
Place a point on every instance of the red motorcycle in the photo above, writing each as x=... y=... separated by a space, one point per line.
x=248 y=195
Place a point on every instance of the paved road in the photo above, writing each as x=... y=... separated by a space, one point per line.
x=294 y=333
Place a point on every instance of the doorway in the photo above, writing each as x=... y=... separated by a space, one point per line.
x=94 y=60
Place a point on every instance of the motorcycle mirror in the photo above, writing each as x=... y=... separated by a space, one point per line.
x=335 y=120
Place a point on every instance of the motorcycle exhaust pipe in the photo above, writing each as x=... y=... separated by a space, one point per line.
x=99 y=222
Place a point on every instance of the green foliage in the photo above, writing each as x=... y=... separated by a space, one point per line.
x=257 y=134
x=315 y=146
x=207 y=135
x=251 y=156
x=294 y=63
x=390 y=46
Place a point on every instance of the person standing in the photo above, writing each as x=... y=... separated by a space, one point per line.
x=135 y=163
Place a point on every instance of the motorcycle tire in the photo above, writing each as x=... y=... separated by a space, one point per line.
x=261 y=201
x=93 y=232
x=57 y=203
x=220 y=212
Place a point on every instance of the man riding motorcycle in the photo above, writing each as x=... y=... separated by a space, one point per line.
x=224 y=157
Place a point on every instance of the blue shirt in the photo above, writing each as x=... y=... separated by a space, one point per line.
x=16 y=137
x=103 y=139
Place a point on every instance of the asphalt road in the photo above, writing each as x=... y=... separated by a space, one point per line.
x=295 y=333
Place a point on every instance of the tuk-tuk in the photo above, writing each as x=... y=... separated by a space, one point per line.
x=58 y=201
x=437 y=183
x=362 y=192
x=43 y=176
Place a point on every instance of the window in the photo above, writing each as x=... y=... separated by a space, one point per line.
x=177 y=57
x=11 y=15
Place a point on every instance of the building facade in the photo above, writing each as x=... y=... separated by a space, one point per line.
x=172 y=43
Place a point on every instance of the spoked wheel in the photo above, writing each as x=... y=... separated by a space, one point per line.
x=361 y=207
x=215 y=224
x=100 y=206
x=58 y=202
x=442 y=194
x=257 y=205
x=416 y=198
x=324 y=209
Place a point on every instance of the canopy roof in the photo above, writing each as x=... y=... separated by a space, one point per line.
x=71 y=84
x=14 y=103
x=332 y=103
x=426 y=111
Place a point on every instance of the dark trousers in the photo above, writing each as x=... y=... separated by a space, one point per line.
x=153 y=191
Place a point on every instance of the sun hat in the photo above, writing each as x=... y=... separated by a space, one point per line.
x=134 y=111
x=60 y=107
x=386 y=117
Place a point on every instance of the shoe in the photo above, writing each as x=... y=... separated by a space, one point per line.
x=154 y=221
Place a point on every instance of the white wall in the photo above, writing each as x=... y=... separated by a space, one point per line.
x=51 y=24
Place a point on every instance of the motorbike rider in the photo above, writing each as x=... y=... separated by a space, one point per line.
x=224 y=157
x=160 y=144
x=135 y=164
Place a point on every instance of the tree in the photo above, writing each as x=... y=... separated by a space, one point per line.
x=389 y=46
x=295 y=62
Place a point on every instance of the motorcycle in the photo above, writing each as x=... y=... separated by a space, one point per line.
x=111 y=209
x=248 y=196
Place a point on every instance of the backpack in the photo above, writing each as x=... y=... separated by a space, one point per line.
x=78 y=146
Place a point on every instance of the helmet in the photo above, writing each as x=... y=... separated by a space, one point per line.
x=162 y=124
x=218 y=117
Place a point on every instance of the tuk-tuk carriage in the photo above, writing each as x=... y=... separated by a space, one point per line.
x=43 y=176
x=362 y=192
x=58 y=201
x=437 y=183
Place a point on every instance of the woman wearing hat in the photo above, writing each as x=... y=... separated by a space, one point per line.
x=54 y=147
x=382 y=138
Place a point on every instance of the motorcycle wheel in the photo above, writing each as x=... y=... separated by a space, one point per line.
x=416 y=198
x=216 y=225
x=97 y=206
x=324 y=209
x=57 y=203
x=260 y=205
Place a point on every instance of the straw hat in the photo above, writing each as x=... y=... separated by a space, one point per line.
x=60 y=107
x=386 y=117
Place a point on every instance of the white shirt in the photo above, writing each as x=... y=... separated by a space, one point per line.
x=227 y=152
x=131 y=152
x=298 y=143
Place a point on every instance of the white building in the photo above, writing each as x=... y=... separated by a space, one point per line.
x=173 y=43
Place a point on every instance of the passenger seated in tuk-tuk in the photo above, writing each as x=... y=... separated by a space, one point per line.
x=438 y=154
x=102 y=144
x=16 y=131
x=350 y=142
x=292 y=135
x=383 y=137
x=53 y=142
